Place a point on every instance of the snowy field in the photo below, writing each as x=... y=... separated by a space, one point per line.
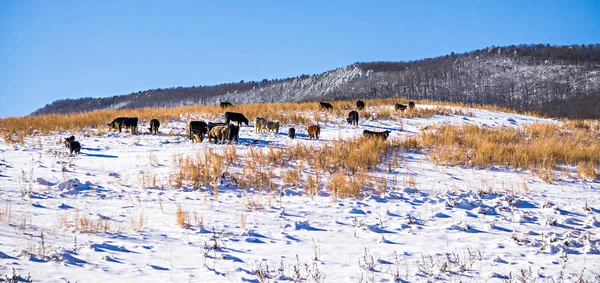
x=433 y=223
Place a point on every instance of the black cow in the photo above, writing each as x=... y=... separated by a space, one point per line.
x=325 y=105
x=411 y=105
x=234 y=132
x=236 y=117
x=353 y=118
x=131 y=123
x=212 y=125
x=69 y=140
x=117 y=123
x=124 y=122
x=74 y=146
x=370 y=134
x=360 y=105
x=401 y=107
x=154 y=124
x=292 y=133
x=226 y=104
x=198 y=127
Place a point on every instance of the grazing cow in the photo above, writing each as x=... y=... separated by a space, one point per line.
x=236 y=117
x=382 y=135
x=411 y=105
x=273 y=126
x=325 y=105
x=234 y=132
x=69 y=140
x=154 y=124
x=219 y=133
x=314 y=131
x=360 y=105
x=353 y=118
x=401 y=107
x=74 y=146
x=260 y=124
x=226 y=104
x=199 y=128
x=117 y=123
x=292 y=133
x=131 y=123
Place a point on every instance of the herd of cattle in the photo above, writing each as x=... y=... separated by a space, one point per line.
x=222 y=132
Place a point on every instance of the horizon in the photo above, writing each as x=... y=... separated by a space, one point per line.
x=70 y=50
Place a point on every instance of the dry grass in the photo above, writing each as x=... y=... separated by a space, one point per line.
x=183 y=218
x=5 y=214
x=81 y=223
x=537 y=147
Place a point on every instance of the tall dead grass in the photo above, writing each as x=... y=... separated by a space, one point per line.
x=538 y=147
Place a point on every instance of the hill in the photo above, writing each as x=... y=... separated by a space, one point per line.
x=558 y=81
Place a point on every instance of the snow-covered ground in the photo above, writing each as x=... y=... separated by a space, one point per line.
x=433 y=223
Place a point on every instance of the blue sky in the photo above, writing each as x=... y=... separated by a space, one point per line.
x=60 y=49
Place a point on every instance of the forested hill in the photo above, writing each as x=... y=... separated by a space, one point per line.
x=560 y=81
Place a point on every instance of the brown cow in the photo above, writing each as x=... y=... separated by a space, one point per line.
x=219 y=133
x=314 y=131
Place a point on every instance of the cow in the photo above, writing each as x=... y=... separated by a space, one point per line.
x=219 y=133
x=117 y=123
x=325 y=105
x=234 y=132
x=199 y=128
x=314 y=131
x=411 y=105
x=382 y=135
x=360 y=105
x=236 y=117
x=212 y=125
x=74 y=146
x=154 y=124
x=353 y=118
x=69 y=140
x=273 y=126
x=260 y=124
x=292 y=133
x=131 y=124
x=401 y=107
x=226 y=104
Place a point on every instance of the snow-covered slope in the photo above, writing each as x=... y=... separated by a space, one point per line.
x=431 y=223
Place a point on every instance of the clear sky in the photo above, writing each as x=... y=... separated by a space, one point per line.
x=60 y=49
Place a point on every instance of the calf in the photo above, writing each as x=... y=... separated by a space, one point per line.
x=273 y=126
x=376 y=135
x=325 y=105
x=74 y=146
x=199 y=128
x=260 y=124
x=236 y=117
x=226 y=104
x=314 y=131
x=219 y=133
x=411 y=105
x=399 y=106
x=154 y=124
x=69 y=140
x=360 y=105
x=353 y=118
x=292 y=133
